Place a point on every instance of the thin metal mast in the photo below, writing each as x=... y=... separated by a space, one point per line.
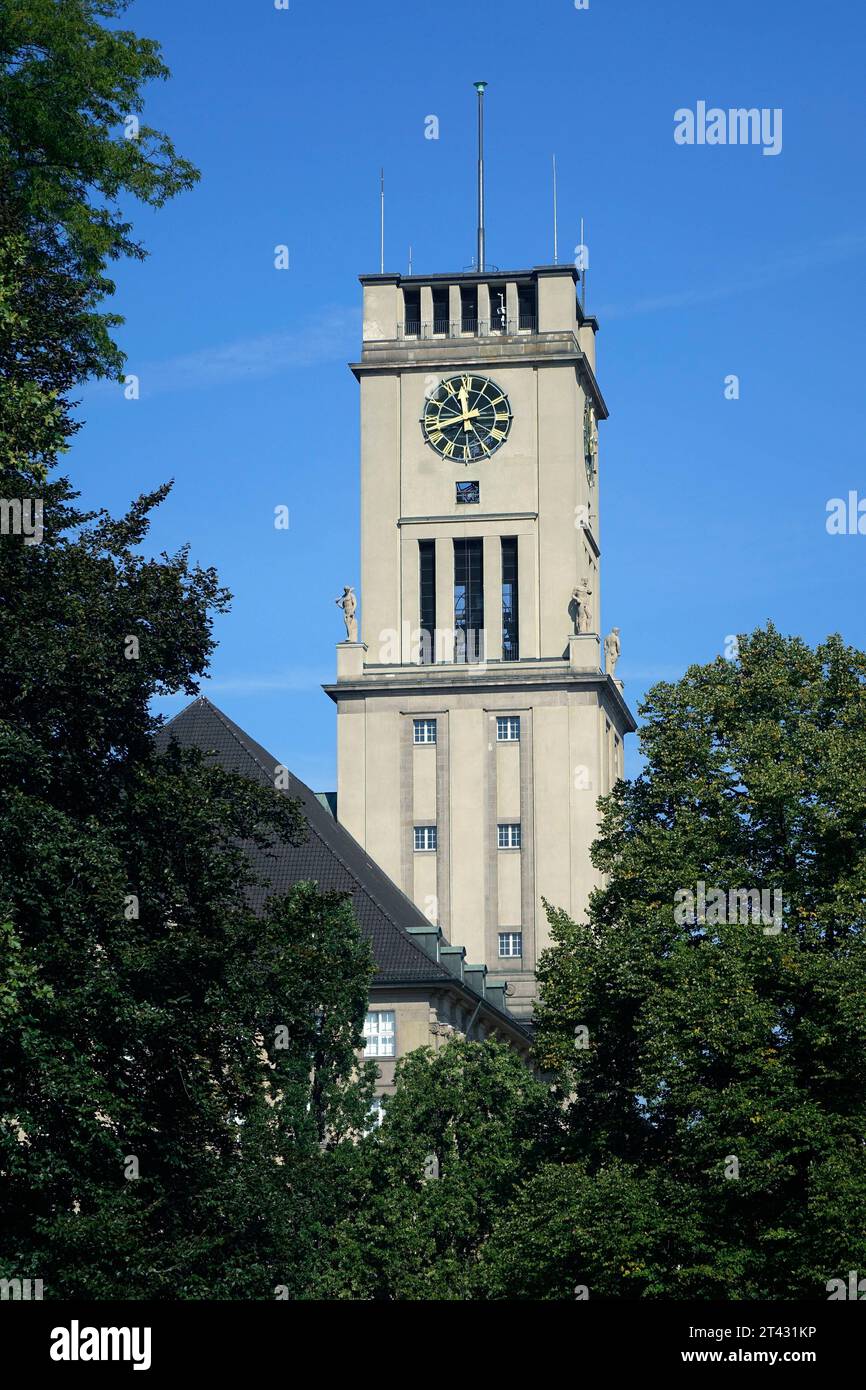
x=382 y=221
x=555 y=219
x=479 y=87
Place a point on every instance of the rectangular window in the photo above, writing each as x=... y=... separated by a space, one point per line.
x=526 y=307
x=427 y=583
x=412 y=313
x=469 y=309
x=508 y=729
x=511 y=943
x=425 y=837
x=510 y=634
x=424 y=730
x=441 y=316
x=498 y=312
x=468 y=600
x=509 y=836
x=468 y=493
x=380 y=1037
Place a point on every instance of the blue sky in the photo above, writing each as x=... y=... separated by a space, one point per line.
x=705 y=261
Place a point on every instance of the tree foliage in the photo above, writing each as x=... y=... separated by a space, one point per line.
x=71 y=94
x=177 y=1076
x=726 y=1067
x=463 y=1127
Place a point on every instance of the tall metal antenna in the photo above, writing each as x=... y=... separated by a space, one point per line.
x=410 y=260
x=555 y=219
x=479 y=87
x=382 y=221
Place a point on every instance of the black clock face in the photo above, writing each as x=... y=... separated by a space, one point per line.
x=466 y=418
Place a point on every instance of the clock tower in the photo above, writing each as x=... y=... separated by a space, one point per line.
x=476 y=727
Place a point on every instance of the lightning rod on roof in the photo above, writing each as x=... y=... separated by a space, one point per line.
x=479 y=87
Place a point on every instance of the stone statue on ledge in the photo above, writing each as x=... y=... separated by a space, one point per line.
x=611 y=651
x=581 y=598
x=348 y=602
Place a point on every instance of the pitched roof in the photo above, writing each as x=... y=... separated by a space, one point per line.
x=330 y=856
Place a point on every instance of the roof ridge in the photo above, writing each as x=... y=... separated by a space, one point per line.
x=231 y=728
x=360 y=887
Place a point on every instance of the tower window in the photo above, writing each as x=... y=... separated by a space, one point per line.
x=427 y=582
x=508 y=836
x=380 y=1034
x=425 y=838
x=469 y=309
x=468 y=493
x=424 y=730
x=508 y=728
x=510 y=633
x=498 y=309
x=511 y=943
x=468 y=599
x=526 y=308
x=441 y=313
x=412 y=313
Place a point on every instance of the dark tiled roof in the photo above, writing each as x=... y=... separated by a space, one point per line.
x=330 y=856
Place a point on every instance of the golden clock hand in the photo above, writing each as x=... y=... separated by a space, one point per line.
x=452 y=419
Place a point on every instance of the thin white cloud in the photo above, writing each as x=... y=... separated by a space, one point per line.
x=331 y=336
x=743 y=280
x=298 y=679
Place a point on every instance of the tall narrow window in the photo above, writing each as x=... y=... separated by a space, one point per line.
x=526 y=307
x=427 y=567
x=441 y=321
x=510 y=633
x=469 y=308
x=412 y=313
x=469 y=642
x=498 y=310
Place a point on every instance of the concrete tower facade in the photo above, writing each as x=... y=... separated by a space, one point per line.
x=476 y=728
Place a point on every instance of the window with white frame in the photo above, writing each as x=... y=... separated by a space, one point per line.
x=508 y=729
x=380 y=1034
x=509 y=836
x=511 y=943
x=425 y=837
x=424 y=730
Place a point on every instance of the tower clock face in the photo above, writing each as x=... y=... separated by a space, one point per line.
x=466 y=418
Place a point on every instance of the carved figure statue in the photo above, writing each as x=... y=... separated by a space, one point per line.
x=581 y=599
x=611 y=651
x=348 y=602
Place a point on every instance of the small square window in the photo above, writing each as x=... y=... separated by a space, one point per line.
x=509 y=836
x=425 y=837
x=380 y=1038
x=468 y=492
x=508 y=729
x=424 y=730
x=511 y=943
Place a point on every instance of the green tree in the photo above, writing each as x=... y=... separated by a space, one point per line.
x=72 y=149
x=463 y=1127
x=178 y=1078
x=175 y=1074
x=725 y=1068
